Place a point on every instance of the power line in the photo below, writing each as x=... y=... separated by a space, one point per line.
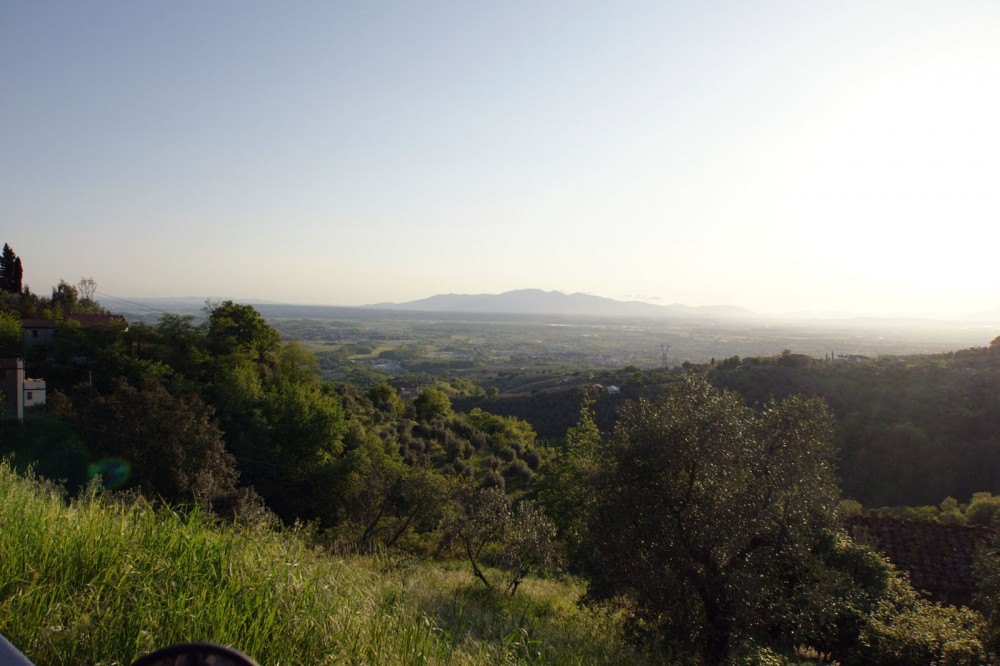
x=125 y=300
x=138 y=305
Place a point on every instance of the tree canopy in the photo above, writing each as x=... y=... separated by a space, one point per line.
x=705 y=507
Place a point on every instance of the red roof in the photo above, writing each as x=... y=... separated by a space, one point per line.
x=938 y=556
x=87 y=320
x=37 y=323
x=11 y=363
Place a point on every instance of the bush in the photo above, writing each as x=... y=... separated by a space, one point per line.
x=906 y=629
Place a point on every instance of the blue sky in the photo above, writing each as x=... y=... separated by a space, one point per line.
x=776 y=155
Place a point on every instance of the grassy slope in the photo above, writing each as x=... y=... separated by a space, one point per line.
x=95 y=581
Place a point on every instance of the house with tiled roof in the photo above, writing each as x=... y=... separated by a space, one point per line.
x=42 y=332
x=38 y=332
x=937 y=556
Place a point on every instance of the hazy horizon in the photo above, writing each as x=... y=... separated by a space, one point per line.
x=776 y=156
x=988 y=317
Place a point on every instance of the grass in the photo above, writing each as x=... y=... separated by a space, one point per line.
x=99 y=580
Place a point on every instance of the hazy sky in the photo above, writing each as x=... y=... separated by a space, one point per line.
x=775 y=155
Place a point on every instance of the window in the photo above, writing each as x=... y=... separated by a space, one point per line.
x=28 y=396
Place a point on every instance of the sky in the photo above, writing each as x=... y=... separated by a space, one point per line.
x=780 y=156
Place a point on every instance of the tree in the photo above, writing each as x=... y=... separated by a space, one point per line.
x=431 y=404
x=515 y=540
x=240 y=329
x=10 y=271
x=380 y=496
x=983 y=509
x=385 y=399
x=566 y=488
x=705 y=511
x=64 y=299
x=171 y=447
x=10 y=332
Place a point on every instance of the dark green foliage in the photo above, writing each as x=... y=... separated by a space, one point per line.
x=552 y=412
x=285 y=431
x=703 y=510
x=171 y=448
x=11 y=271
x=911 y=430
x=64 y=300
x=49 y=447
x=567 y=487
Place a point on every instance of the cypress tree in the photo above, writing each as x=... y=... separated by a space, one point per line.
x=10 y=271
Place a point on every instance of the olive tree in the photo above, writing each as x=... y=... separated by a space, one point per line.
x=516 y=540
x=705 y=511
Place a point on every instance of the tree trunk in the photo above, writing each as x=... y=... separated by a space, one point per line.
x=718 y=630
x=475 y=567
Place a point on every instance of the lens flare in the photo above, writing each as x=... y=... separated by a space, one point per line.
x=114 y=472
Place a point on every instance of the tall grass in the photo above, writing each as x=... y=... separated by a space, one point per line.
x=96 y=580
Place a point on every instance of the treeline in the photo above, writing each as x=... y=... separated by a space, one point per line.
x=17 y=299
x=910 y=431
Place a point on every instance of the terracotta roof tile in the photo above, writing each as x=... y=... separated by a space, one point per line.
x=37 y=323
x=938 y=556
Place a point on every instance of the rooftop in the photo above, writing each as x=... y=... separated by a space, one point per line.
x=938 y=556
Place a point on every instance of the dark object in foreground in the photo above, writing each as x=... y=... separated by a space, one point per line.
x=195 y=654
x=183 y=654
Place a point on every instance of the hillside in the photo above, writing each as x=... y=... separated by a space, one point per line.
x=225 y=419
x=100 y=580
x=911 y=430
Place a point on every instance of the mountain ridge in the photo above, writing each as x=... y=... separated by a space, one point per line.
x=538 y=301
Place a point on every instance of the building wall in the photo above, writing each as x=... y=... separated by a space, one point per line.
x=34 y=337
x=11 y=381
x=34 y=392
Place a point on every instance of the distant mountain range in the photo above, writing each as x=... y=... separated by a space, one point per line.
x=539 y=302
x=535 y=302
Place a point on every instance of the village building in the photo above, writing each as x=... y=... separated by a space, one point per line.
x=19 y=392
x=38 y=332
x=11 y=384
x=34 y=392
x=42 y=332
